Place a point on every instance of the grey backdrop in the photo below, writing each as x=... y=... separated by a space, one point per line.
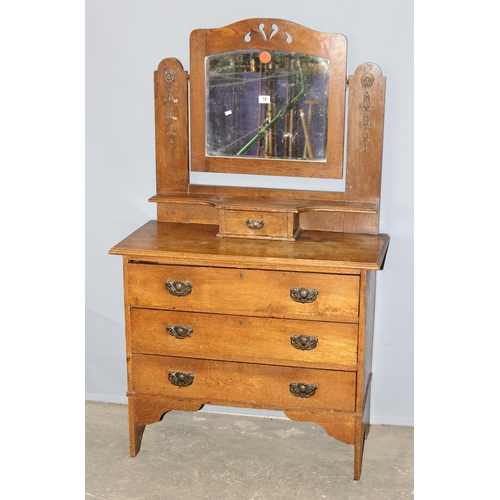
x=125 y=41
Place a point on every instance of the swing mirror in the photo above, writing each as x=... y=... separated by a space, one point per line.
x=268 y=103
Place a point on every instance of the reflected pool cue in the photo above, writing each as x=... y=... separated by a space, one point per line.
x=311 y=103
x=308 y=152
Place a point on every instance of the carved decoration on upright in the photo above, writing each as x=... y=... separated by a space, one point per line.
x=367 y=81
x=169 y=76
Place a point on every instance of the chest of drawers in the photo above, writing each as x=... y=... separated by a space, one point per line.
x=259 y=297
x=264 y=324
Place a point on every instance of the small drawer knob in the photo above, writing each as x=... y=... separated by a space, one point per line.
x=179 y=331
x=302 y=390
x=304 y=342
x=303 y=295
x=178 y=288
x=255 y=223
x=180 y=379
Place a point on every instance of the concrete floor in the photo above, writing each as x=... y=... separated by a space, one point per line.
x=190 y=456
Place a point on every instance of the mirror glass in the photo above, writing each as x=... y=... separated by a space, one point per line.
x=267 y=104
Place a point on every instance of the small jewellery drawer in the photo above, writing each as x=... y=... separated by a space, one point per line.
x=244 y=338
x=281 y=294
x=220 y=382
x=259 y=224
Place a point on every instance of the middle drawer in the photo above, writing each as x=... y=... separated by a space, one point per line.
x=242 y=338
x=279 y=294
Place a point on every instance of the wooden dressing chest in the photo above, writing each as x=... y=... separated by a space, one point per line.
x=253 y=297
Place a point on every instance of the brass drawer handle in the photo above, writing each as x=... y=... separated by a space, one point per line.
x=304 y=342
x=303 y=295
x=178 y=288
x=255 y=223
x=179 y=331
x=180 y=379
x=302 y=390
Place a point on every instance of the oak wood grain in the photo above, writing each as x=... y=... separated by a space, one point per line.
x=222 y=382
x=243 y=338
x=197 y=244
x=245 y=292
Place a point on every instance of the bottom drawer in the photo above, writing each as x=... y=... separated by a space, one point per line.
x=222 y=382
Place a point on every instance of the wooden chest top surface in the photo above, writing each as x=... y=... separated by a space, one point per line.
x=199 y=244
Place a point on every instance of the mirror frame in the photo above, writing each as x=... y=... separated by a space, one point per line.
x=269 y=34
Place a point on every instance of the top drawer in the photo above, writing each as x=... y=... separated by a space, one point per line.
x=277 y=294
x=259 y=224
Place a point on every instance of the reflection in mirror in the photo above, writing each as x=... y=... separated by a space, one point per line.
x=267 y=104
